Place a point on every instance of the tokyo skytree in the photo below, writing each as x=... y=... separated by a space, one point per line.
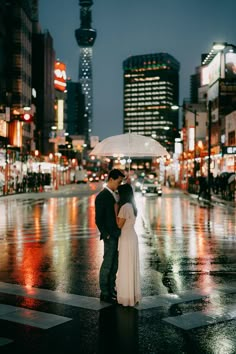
x=85 y=36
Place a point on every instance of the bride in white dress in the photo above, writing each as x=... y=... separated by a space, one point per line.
x=128 y=275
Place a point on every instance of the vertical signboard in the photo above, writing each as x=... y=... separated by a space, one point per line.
x=60 y=114
x=60 y=76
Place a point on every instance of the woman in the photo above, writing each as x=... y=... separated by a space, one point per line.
x=128 y=276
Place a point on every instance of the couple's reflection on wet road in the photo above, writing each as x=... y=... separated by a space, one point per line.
x=118 y=330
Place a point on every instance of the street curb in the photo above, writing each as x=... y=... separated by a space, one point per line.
x=213 y=201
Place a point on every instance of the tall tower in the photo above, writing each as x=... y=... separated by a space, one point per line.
x=85 y=36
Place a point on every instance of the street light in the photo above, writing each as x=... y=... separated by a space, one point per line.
x=221 y=46
x=217 y=47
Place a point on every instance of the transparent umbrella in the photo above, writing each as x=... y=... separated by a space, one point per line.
x=129 y=145
x=231 y=178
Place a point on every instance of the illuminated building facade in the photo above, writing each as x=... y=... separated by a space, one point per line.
x=85 y=36
x=151 y=87
x=218 y=77
x=16 y=74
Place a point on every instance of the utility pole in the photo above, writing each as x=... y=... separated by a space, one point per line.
x=7 y=120
x=209 y=150
x=195 y=144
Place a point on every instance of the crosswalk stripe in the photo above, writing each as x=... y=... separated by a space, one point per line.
x=149 y=302
x=86 y=302
x=32 y=318
x=5 y=341
x=192 y=320
x=92 y=303
x=171 y=299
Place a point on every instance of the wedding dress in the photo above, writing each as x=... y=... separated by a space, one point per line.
x=128 y=275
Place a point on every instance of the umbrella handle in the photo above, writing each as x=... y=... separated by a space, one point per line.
x=129 y=151
x=128 y=179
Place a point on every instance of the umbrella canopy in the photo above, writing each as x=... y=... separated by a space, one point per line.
x=129 y=145
x=231 y=178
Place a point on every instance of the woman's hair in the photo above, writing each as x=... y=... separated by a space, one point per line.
x=126 y=195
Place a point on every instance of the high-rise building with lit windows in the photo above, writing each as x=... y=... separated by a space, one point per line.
x=151 y=87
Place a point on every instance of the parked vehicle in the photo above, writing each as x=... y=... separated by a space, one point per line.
x=93 y=177
x=151 y=185
x=81 y=176
x=138 y=183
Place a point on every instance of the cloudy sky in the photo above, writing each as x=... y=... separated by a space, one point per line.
x=183 y=28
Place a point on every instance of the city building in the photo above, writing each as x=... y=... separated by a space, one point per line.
x=76 y=123
x=218 y=82
x=43 y=83
x=4 y=96
x=151 y=88
x=194 y=141
x=85 y=36
x=16 y=74
x=229 y=150
x=208 y=131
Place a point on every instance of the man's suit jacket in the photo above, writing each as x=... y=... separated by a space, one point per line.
x=105 y=217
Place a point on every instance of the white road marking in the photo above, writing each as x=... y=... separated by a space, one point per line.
x=192 y=320
x=5 y=341
x=32 y=318
x=86 y=302
x=149 y=302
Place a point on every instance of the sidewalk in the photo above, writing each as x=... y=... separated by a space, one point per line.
x=66 y=190
x=72 y=189
x=215 y=199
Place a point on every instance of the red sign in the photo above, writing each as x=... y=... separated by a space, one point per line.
x=60 y=76
x=27 y=117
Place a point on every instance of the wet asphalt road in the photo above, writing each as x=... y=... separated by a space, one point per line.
x=49 y=241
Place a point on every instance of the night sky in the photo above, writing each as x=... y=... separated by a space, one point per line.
x=183 y=28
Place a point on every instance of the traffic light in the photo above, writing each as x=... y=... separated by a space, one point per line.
x=27 y=117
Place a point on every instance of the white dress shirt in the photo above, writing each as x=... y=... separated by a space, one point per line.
x=115 y=195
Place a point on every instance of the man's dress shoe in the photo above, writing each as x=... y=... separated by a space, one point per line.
x=107 y=298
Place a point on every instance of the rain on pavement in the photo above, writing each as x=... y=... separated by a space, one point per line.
x=188 y=267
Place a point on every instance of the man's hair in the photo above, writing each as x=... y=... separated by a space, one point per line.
x=115 y=174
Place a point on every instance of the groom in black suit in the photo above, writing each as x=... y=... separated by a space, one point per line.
x=106 y=222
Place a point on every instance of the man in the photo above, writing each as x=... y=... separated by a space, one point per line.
x=106 y=222
x=202 y=187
